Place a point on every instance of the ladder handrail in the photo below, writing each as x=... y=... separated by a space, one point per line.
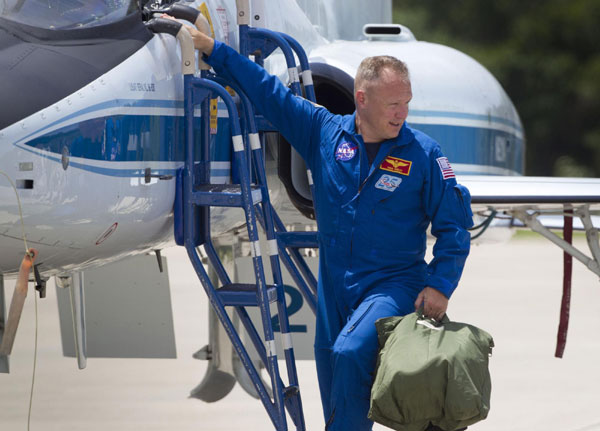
x=246 y=104
x=293 y=261
x=248 y=35
x=304 y=65
x=257 y=35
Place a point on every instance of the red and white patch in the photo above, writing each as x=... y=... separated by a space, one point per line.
x=445 y=167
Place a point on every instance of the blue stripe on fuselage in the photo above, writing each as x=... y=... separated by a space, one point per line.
x=477 y=146
x=129 y=138
x=466 y=116
x=159 y=138
x=113 y=104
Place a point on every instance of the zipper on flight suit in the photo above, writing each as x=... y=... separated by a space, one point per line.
x=361 y=186
x=374 y=170
x=355 y=324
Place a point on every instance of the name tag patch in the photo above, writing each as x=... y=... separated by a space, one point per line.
x=345 y=151
x=396 y=165
x=389 y=183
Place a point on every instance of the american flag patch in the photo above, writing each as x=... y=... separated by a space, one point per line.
x=445 y=167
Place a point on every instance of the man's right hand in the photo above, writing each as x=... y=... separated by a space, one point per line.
x=202 y=42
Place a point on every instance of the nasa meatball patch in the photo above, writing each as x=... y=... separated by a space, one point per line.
x=345 y=151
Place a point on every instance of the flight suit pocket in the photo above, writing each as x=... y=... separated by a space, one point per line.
x=355 y=322
x=464 y=198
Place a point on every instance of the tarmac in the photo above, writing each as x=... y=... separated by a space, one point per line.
x=513 y=290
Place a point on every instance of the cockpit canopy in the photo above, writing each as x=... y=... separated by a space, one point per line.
x=49 y=49
x=66 y=14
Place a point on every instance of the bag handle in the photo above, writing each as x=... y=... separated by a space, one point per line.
x=436 y=323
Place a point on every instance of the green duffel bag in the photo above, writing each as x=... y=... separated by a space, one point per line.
x=430 y=373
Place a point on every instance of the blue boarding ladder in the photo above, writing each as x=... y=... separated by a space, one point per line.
x=197 y=195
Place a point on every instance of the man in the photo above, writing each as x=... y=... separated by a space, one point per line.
x=378 y=186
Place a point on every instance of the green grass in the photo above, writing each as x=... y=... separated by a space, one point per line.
x=526 y=234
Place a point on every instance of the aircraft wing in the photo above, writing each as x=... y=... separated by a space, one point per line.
x=545 y=194
x=541 y=204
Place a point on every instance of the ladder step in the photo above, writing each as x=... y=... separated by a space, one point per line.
x=298 y=239
x=223 y=195
x=238 y=294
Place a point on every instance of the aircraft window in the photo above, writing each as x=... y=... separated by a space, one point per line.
x=66 y=14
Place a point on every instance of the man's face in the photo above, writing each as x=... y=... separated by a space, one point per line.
x=384 y=107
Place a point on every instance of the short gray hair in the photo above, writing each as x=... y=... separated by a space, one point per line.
x=370 y=69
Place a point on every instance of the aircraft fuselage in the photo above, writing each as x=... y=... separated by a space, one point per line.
x=94 y=162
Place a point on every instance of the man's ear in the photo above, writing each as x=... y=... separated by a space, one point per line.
x=360 y=98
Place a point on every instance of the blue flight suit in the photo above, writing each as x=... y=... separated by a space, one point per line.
x=372 y=230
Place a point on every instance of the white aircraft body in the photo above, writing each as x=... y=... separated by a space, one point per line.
x=91 y=126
